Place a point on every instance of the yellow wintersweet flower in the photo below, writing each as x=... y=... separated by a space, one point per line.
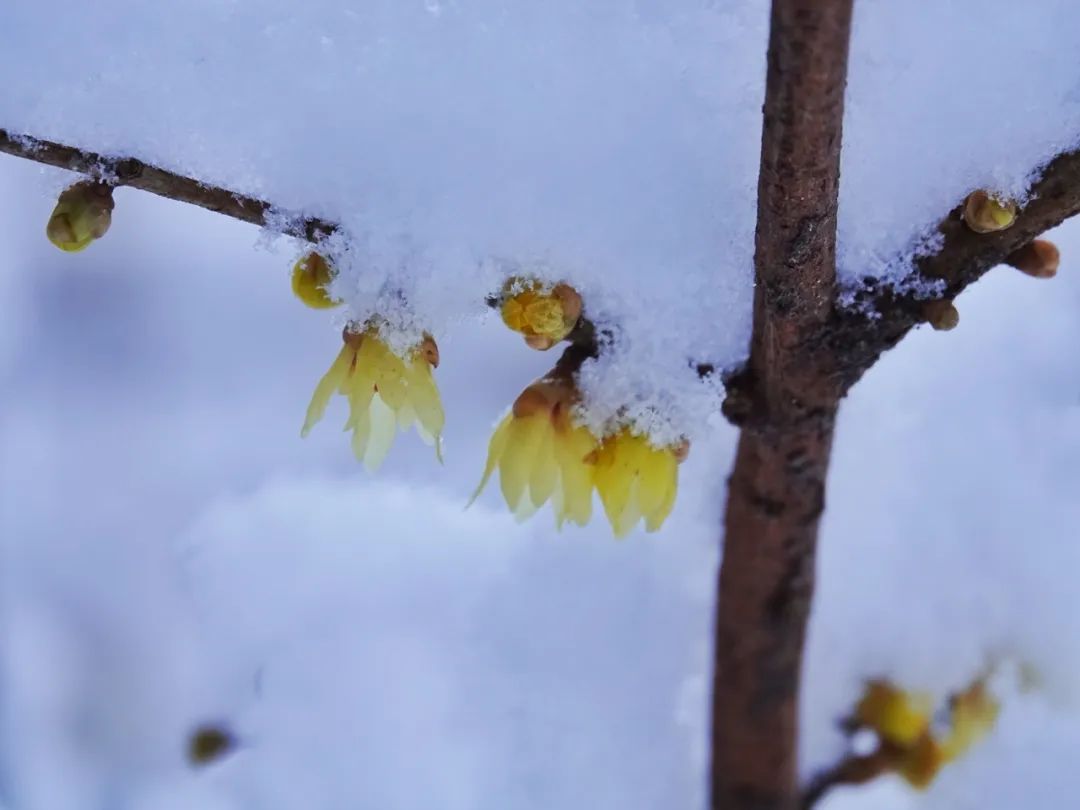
x=384 y=391
x=543 y=315
x=310 y=275
x=82 y=214
x=542 y=455
x=636 y=480
x=902 y=721
x=896 y=716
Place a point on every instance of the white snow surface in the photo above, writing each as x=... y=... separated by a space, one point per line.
x=612 y=144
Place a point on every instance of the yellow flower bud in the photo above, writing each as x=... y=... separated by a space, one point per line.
x=986 y=214
x=941 y=314
x=209 y=743
x=543 y=316
x=310 y=275
x=82 y=214
x=1038 y=259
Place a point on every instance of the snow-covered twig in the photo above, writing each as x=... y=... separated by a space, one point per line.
x=129 y=171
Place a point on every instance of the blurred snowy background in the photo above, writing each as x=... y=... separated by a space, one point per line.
x=173 y=553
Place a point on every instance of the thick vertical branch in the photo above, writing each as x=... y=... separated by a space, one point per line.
x=776 y=490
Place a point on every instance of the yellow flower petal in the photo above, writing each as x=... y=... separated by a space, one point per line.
x=361 y=433
x=616 y=477
x=659 y=485
x=495 y=450
x=655 y=518
x=573 y=450
x=424 y=396
x=383 y=427
x=545 y=473
x=517 y=459
x=974 y=713
x=330 y=382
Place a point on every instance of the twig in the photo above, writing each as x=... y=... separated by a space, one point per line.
x=853 y=769
x=128 y=171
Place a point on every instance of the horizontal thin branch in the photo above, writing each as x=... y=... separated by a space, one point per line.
x=856 y=342
x=127 y=171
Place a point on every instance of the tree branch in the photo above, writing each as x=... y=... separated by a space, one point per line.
x=776 y=490
x=127 y=171
x=854 y=342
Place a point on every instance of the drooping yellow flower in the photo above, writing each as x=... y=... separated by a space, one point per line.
x=636 y=480
x=384 y=391
x=82 y=214
x=310 y=275
x=542 y=455
x=544 y=315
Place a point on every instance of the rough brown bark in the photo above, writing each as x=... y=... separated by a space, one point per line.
x=128 y=171
x=776 y=489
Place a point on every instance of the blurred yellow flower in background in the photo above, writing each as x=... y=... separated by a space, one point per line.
x=903 y=722
x=385 y=392
x=896 y=716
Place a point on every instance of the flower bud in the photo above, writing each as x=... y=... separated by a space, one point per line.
x=310 y=275
x=209 y=743
x=429 y=350
x=82 y=214
x=544 y=317
x=986 y=214
x=941 y=314
x=1039 y=259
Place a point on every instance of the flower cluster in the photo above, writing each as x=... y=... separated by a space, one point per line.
x=541 y=454
x=385 y=392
